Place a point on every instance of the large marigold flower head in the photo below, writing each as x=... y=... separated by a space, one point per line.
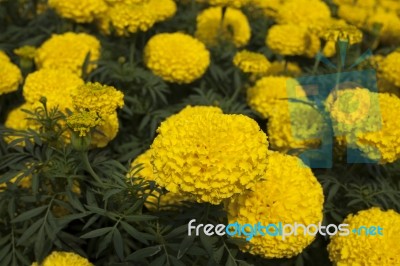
x=95 y=97
x=83 y=122
x=388 y=24
x=383 y=144
x=363 y=249
x=68 y=51
x=390 y=68
x=358 y=18
x=127 y=17
x=295 y=126
x=234 y=27
x=291 y=39
x=61 y=258
x=293 y=195
x=196 y=153
x=10 y=75
x=54 y=84
x=165 y=199
x=77 y=10
x=176 y=57
x=303 y=12
x=268 y=92
x=251 y=62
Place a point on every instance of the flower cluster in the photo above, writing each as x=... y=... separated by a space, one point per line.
x=390 y=68
x=68 y=51
x=364 y=249
x=214 y=26
x=10 y=75
x=197 y=152
x=250 y=62
x=176 y=57
x=77 y=10
x=287 y=194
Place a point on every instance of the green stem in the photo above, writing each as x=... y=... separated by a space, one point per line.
x=89 y=168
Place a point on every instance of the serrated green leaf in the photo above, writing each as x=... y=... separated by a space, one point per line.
x=97 y=232
x=29 y=214
x=144 y=253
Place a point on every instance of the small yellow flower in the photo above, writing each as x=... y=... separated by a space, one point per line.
x=232 y=27
x=95 y=97
x=83 y=122
x=77 y=10
x=176 y=57
x=348 y=33
x=250 y=62
x=390 y=68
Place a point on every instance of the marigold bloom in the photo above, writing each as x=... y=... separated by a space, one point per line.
x=388 y=24
x=61 y=258
x=362 y=249
x=54 y=84
x=268 y=92
x=196 y=153
x=26 y=51
x=68 y=51
x=128 y=17
x=295 y=126
x=147 y=173
x=83 y=122
x=358 y=18
x=348 y=33
x=284 y=68
x=291 y=39
x=95 y=97
x=251 y=62
x=309 y=12
x=390 y=68
x=81 y=11
x=289 y=194
x=176 y=57
x=10 y=75
x=234 y=27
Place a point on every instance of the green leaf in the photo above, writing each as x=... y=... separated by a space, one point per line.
x=30 y=231
x=97 y=232
x=144 y=253
x=142 y=237
x=177 y=231
x=118 y=244
x=140 y=218
x=230 y=261
x=185 y=245
x=29 y=214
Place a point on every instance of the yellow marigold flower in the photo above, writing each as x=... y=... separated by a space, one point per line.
x=26 y=51
x=250 y=62
x=358 y=18
x=147 y=173
x=390 y=68
x=83 y=122
x=231 y=3
x=18 y=119
x=234 y=27
x=363 y=249
x=389 y=24
x=54 y=84
x=95 y=97
x=60 y=258
x=295 y=126
x=303 y=12
x=106 y=131
x=291 y=39
x=128 y=17
x=353 y=110
x=77 y=10
x=176 y=57
x=205 y=163
x=264 y=96
x=68 y=51
x=10 y=75
x=348 y=33
x=284 y=68
x=289 y=193
x=383 y=144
